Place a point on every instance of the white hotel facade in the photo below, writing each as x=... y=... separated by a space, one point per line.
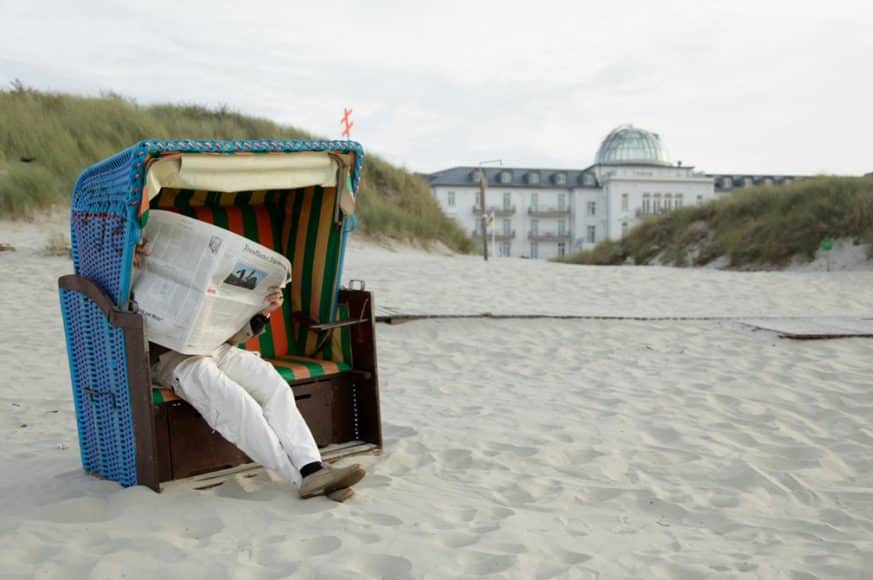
x=544 y=213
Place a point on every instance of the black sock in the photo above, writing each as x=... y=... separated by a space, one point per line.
x=310 y=468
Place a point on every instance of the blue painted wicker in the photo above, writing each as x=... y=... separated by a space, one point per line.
x=105 y=228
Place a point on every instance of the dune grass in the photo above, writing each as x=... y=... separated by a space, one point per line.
x=62 y=134
x=27 y=187
x=57 y=245
x=762 y=226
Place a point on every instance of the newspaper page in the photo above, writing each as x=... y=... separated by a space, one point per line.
x=200 y=283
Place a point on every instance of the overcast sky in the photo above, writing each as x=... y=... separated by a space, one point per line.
x=761 y=86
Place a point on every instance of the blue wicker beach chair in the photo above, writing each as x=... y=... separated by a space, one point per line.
x=296 y=197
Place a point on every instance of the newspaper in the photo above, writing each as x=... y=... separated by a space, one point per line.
x=200 y=283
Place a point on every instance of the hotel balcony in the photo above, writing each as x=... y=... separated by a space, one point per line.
x=499 y=235
x=498 y=211
x=547 y=212
x=549 y=236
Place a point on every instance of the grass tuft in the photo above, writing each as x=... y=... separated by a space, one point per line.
x=57 y=245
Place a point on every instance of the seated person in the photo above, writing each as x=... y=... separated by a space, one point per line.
x=249 y=403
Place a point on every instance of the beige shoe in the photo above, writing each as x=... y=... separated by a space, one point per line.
x=341 y=495
x=329 y=479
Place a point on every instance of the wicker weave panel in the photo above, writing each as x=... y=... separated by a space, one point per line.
x=99 y=376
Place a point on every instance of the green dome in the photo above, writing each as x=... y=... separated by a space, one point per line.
x=627 y=144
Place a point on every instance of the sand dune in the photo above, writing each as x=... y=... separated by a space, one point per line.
x=518 y=449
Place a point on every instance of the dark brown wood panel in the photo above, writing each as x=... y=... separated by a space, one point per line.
x=360 y=303
x=194 y=447
x=162 y=440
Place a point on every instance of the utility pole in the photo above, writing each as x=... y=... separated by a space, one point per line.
x=483 y=186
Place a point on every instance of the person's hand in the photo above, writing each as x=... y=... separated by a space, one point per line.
x=140 y=252
x=274 y=300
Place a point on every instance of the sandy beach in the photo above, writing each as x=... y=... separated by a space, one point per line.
x=689 y=448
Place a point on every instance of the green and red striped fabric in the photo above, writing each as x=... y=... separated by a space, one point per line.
x=295 y=368
x=298 y=223
x=313 y=242
x=161 y=395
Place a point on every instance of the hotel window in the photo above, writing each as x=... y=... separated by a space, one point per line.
x=534 y=201
x=534 y=227
x=507 y=200
x=657 y=203
x=678 y=202
x=624 y=197
x=647 y=204
x=591 y=234
x=507 y=227
x=451 y=199
x=562 y=201
x=533 y=250
x=505 y=177
x=504 y=249
x=699 y=199
x=533 y=178
x=560 y=179
x=562 y=227
x=562 y=249
x=668 y=201
x=592 y=207
x=623 y=229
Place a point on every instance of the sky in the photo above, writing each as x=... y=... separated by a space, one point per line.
x=766 y=86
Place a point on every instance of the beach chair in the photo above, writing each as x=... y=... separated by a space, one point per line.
x=295 y=197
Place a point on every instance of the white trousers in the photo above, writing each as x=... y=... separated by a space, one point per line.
x=243 y=397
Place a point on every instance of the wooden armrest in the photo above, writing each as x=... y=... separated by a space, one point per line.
x=340 y=324
x=88 y=288
x=303 y=320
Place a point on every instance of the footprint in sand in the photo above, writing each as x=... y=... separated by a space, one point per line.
x=460 y=516
x=509 y=548
x=659 y=436
x=383 y=519
x=406 y=457
x=457 y=539
x=294 y=549
x=562 y=437
x=391 y=431
x=202 y=527
x=570 y=557
x=80 y=510
x=597 y=495
x=481 y=563
x=515 y=495
x=366 y=538
x=486 y=519
x=383 y=566
x=455 y=459
x=724 y=500
x=520 y=451
x=374 y=481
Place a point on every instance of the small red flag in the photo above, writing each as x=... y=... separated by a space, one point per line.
x=347 y=123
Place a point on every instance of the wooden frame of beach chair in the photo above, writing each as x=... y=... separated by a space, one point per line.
x=323 y=343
